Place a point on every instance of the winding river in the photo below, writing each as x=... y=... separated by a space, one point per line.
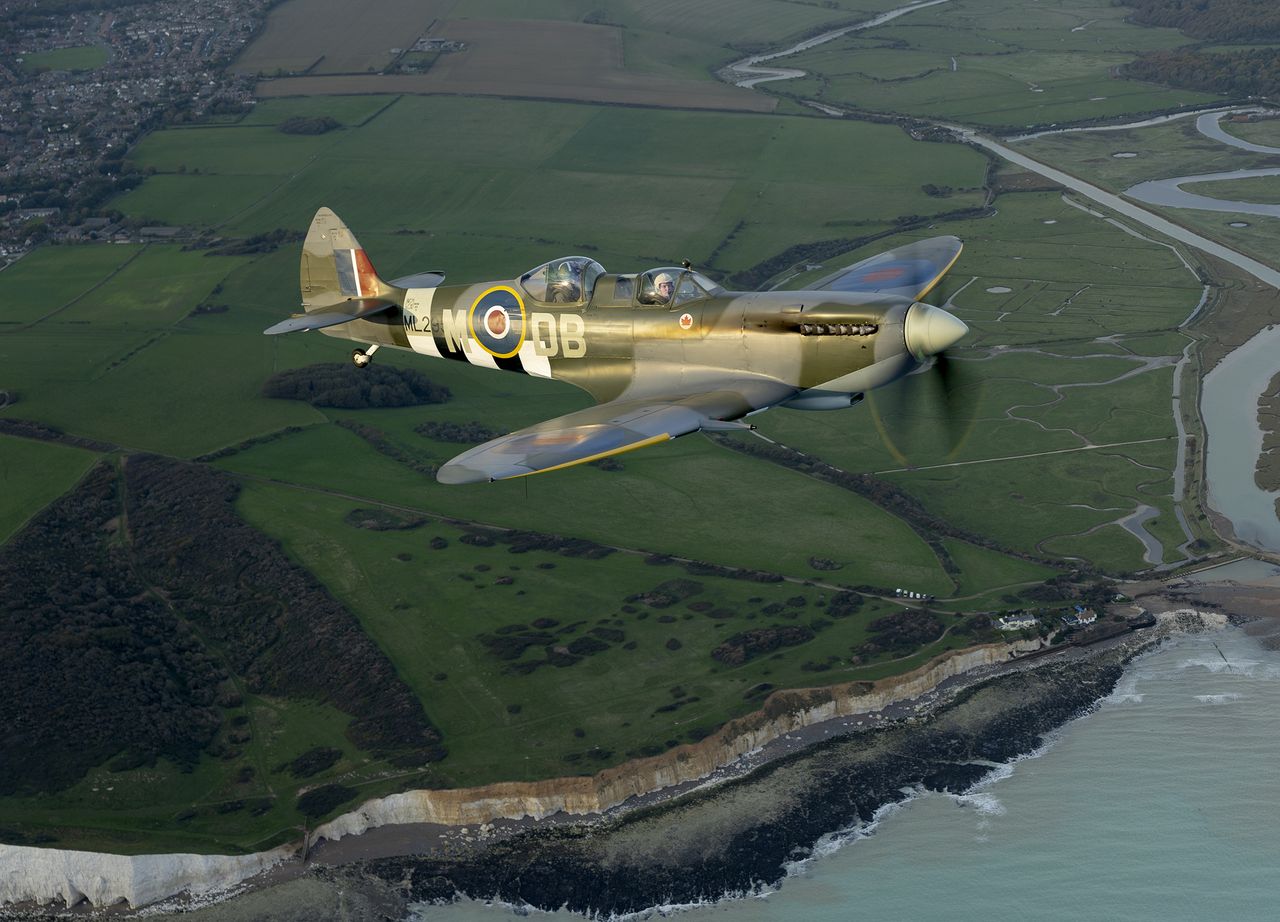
x=749 y=73
x=1170 y=194
x=1229 y=405
x=1229 y=400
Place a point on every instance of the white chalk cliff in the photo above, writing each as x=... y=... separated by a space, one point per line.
x=46 y=875
x=783 y=712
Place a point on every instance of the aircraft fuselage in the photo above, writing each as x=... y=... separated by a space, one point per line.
x=804 y=339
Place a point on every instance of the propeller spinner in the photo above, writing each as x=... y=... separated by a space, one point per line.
x=931 y=330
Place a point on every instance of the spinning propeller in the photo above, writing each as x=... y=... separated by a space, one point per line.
x=937 y=395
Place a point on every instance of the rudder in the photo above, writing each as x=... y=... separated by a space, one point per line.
x=335 y=269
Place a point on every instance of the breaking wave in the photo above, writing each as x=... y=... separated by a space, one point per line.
x=1251 y=668
x=1126 y=690
x=832 y=842
x=983 y=802
x=1224 y=698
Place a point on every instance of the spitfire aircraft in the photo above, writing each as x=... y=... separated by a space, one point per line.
x=664 y=352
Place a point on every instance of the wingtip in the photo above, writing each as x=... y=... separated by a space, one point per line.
x=284 y=326
x=452 y=474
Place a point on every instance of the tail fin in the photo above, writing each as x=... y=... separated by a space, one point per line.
x=338 y=281
x=336 y=269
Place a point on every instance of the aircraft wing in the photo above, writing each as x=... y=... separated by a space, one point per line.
x=610 y=429
x=909 y=271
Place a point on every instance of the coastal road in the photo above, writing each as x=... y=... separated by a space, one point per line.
x=1258 y=270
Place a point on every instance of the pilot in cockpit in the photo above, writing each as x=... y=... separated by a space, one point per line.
x=565 y=283
x=664 y=286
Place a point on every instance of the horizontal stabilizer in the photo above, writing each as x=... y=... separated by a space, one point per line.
x=432 y=279
x=345 y=312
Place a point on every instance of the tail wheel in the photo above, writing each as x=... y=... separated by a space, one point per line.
x=361 y=358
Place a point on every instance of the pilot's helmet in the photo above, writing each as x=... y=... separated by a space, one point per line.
x=570 y=270
x=664 y=278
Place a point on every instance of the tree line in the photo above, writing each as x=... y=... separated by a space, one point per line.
x=1255 y=72
x=343 y=386
x=1212 y=20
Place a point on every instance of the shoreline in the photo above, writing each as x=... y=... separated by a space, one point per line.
x=745 y=835
x=372 y=871
x=430 y=820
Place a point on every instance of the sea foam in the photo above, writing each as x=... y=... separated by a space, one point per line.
x=1223 y=698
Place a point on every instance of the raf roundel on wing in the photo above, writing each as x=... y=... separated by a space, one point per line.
x=497 y=321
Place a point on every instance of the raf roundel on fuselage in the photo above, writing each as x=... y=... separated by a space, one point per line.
x=497 y=321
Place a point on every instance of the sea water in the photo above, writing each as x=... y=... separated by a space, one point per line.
x=1163 y=803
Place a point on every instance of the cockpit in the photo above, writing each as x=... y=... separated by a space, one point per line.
x=572 y=280
x=569 y=280
x=671 y=287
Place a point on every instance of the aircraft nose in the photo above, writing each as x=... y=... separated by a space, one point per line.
x=930 y=330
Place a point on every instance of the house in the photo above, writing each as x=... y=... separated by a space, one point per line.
x=1080 y=617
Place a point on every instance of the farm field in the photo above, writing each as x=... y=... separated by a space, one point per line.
x=535 y=60
x=965 y=62
x=129 y=364
x=321 y=36
x=45 y=281
x=470 y=193
x=634 y=52
x=662 y=36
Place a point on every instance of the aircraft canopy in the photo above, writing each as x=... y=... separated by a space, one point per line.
x=567 y=280
x=685 y=286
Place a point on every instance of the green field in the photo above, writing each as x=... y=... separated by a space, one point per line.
x=351 y=111
x=47 y=280
x=722 y=25
x=1261 y=189
x=32 y=475
x=80 y=58
x=127 y=365
x=997 y=63
x=428 y=607
x=208 y=810
x=1265 y=131
x=475 y=194
x=682 y=499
